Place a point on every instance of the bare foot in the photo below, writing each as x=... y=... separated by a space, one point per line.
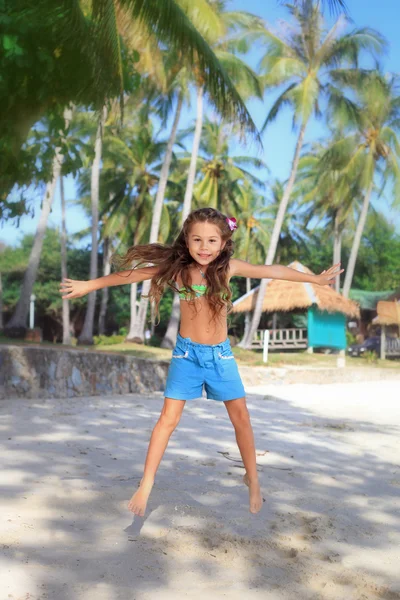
x=138 y=502
x=256 y=499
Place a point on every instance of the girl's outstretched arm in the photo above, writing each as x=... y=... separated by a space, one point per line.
x=241 y=268
x=72 y=288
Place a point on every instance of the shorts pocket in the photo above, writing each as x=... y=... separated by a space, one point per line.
x=228 y=369
x=181 y=355
x=228 y=357
x=180 y=352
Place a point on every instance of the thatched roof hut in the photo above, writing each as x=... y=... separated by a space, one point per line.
x=388 y=313
x=290 y=295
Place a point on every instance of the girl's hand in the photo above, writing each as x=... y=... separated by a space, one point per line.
x=328 y=277
x=71 y=288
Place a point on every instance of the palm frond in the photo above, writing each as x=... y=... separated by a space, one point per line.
x=349 y=46
x=168 y=21
x=246 y=81
x=282 y=69
x=283 y=100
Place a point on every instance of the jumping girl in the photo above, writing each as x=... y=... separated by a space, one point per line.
x=199 y=266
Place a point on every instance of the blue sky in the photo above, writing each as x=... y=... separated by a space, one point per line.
x=279 y=139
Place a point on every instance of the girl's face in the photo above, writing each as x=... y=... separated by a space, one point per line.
x=204 y=242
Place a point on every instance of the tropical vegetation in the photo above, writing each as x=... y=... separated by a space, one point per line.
x=101 y=100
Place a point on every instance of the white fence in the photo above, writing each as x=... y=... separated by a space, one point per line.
x=281 y=339
x=392 y=347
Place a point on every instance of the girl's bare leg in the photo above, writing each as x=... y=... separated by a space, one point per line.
x=169 y=419
x=240 y=418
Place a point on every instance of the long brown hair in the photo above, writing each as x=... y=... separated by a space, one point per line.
x=174 y=259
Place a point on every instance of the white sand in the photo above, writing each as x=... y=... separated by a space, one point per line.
x=329 y=528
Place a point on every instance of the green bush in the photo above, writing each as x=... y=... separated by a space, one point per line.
x=104 y=340
x=350 y=338
x=370 y=356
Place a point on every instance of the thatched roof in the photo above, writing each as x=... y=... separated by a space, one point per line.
x=388 y=313
x=290 y=295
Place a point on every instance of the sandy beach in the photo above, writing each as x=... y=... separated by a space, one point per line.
x=329 y=528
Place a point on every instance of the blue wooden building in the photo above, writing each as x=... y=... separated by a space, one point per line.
x=327 y=311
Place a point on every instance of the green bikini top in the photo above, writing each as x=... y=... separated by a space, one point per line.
x=199 y=289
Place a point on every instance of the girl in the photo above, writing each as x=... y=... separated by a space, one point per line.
x=199 y=266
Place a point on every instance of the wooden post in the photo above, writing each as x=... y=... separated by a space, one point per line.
x=265 y=349
x=341 y=359
x=383 y=342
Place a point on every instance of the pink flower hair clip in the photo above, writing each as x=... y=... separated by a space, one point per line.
x=232 y=223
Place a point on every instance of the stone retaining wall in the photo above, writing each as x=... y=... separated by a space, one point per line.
x=38 y=372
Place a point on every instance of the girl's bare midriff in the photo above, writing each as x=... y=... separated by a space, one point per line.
x=199 y=325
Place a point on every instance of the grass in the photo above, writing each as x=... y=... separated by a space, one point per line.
x=243 y=357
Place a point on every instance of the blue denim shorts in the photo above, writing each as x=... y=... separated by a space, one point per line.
x=196 y=365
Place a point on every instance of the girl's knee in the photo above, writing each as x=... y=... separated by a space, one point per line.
x=169 y=421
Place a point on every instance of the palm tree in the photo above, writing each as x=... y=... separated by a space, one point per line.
x=326 y=195
x=304 y=59
x=16 y=326
x=85 y=48
x=369 y=142
x=226 y=39
x=247 y=82
x=129 y=173
x=65 y=303
x=86 y=336
x=107 y=253
x=221 y=175
x=220 y=183
x=252 y=235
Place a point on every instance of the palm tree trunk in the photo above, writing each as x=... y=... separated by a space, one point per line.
x=247 y=319
x=131 y=334
x=173 y=324
x=105 y=292
x=187 y=202
x=1 y=304
x=16 y=326
x=356 y=243
x=162 y=184
x=65 y=303
x=337 y=248
x=86 y=336
x=246 y=341
x=136 y=332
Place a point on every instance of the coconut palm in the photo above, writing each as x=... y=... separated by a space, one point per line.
x=16 y=326
x=247 y=82
x=220 y=181
x=369 y=143
x=221 y=175
x=64 y=272
x=84 y=49
x=326 y=195
x=228 y=40
x=303 y=58
x=86 y=336
x=252 y=235
x=129 y=173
